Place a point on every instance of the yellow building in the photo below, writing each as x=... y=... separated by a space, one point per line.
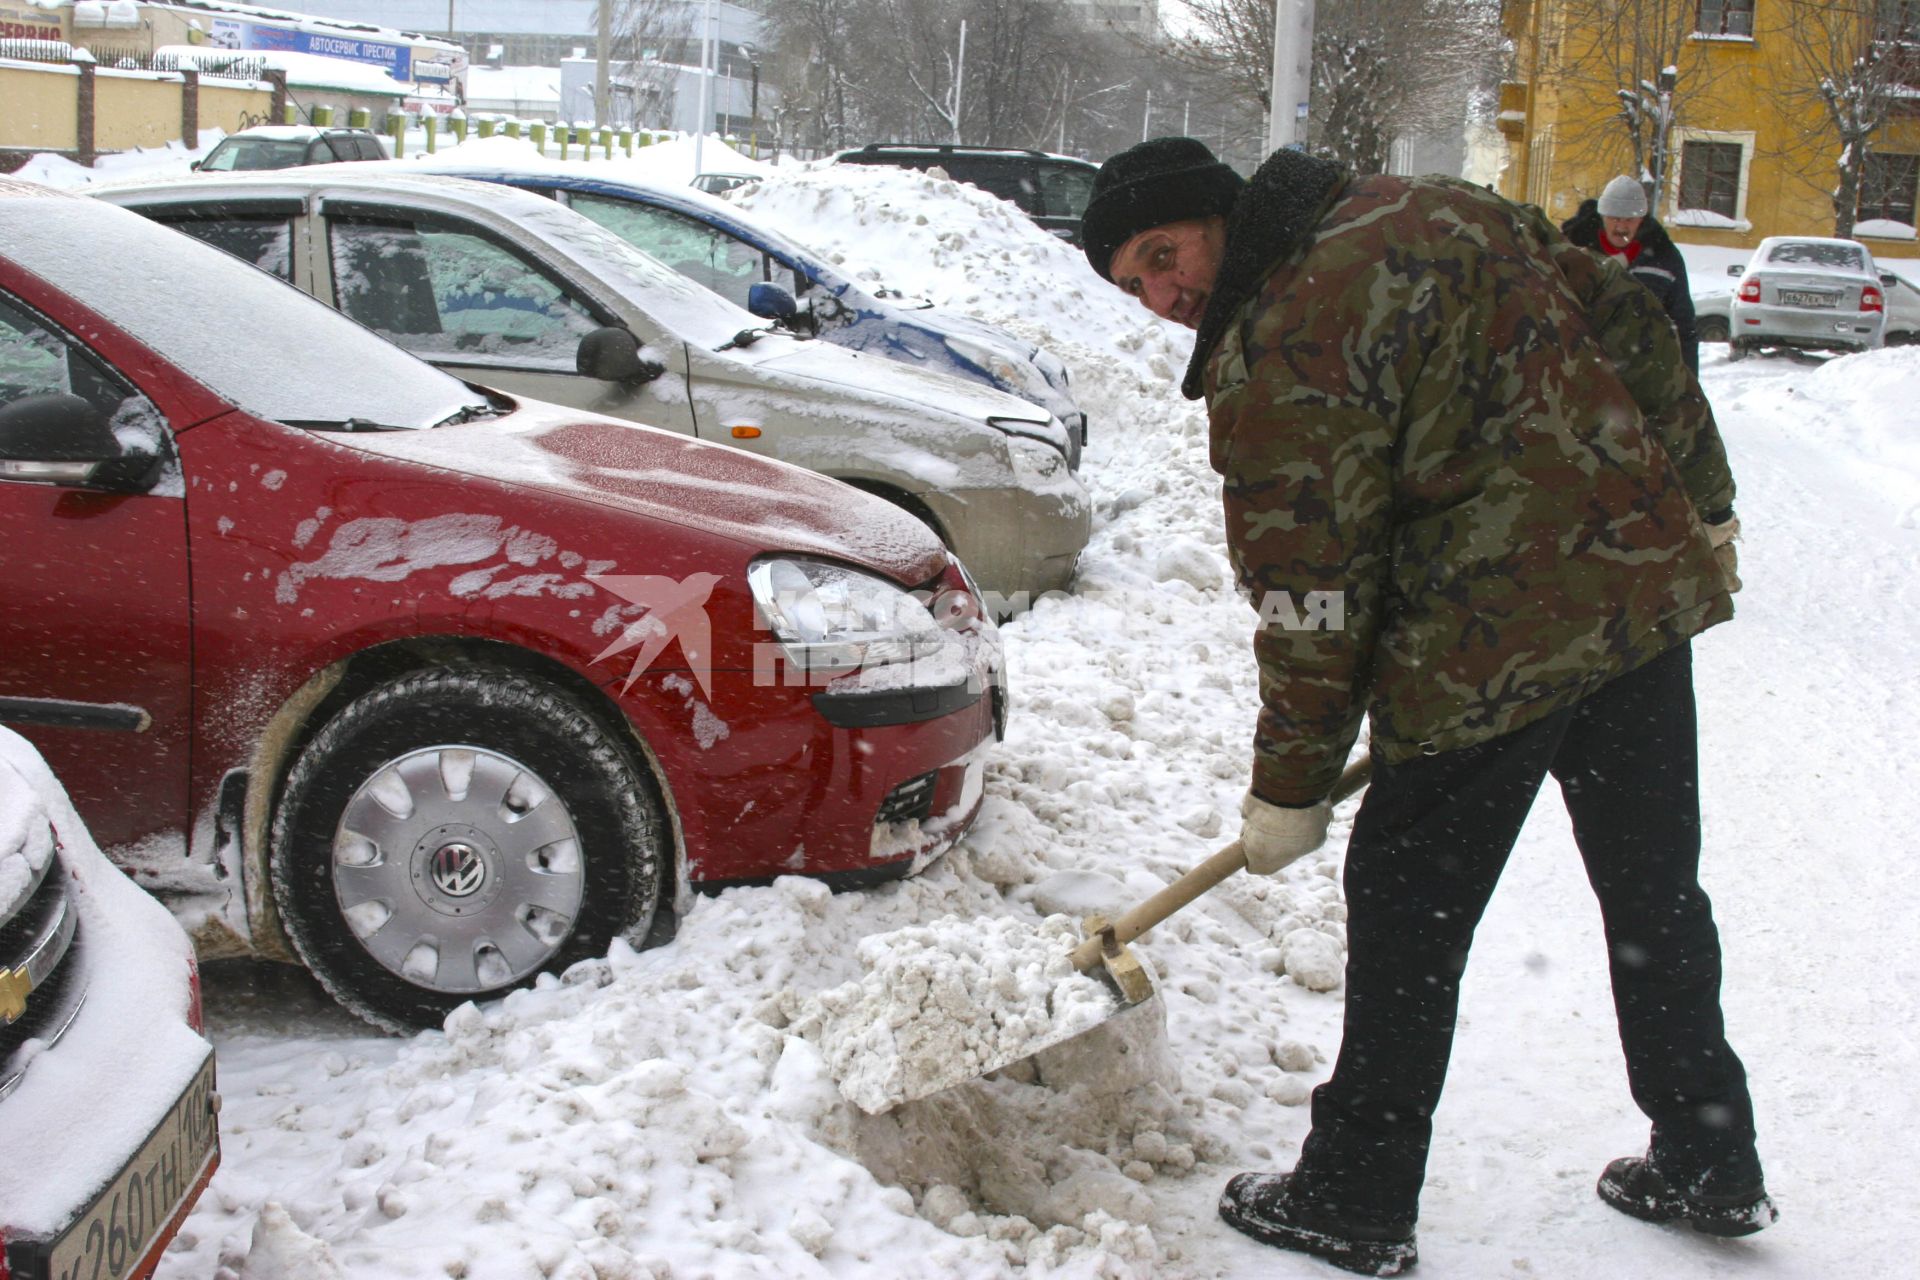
x=1751 y=151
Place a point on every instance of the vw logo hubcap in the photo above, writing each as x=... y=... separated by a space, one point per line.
x=458 y=870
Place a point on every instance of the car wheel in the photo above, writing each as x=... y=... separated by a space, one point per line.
x=1899 y=338
x=456 y=832
x=1711 y=329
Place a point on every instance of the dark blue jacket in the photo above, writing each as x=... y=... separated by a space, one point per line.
x=1658 y=266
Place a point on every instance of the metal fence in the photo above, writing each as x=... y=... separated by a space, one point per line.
x=212 y=64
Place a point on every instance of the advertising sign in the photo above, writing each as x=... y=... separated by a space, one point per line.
x=28 y=24
x=395 y=59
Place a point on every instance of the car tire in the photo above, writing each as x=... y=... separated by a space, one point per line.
x=400 y=866
x=1712 y=329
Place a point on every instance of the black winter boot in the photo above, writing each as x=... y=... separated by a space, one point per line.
x=1634 y=1187
x=1260 y=1205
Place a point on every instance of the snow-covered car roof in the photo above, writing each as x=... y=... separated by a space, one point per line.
x=700 y=315
x=1813 y=253
x=298 y=344
x=293 y=132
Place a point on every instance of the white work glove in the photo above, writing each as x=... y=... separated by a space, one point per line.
x=1274 y=835
x=1721 y=536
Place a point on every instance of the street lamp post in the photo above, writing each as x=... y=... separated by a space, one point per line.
x=1292 y=86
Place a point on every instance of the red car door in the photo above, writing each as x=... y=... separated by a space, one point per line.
x=95 y=637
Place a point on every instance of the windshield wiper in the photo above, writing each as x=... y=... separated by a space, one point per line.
x=348 y=424
x=469 y=413
x=744 y=338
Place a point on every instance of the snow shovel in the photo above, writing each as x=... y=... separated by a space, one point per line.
x=908 y=1058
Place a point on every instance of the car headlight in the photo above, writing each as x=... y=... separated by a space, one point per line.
x=830 y=618
x=1021 y=377
x=1038 y=464
x=1053 y=369
x=1048 y=431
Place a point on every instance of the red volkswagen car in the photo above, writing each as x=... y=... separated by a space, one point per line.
x=430 y=688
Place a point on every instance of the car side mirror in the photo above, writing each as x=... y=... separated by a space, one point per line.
x=1889 y=279
x=612 y=354
x=772 y=301
x=1736 y=269
x=196 y=164
x=58 y=438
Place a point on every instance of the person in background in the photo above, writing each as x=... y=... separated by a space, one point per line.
x=1619 y=225
x=1483 y=442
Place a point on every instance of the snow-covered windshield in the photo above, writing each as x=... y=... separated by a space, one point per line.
x=259 y=344
x=1809 y=253
x=694 y=314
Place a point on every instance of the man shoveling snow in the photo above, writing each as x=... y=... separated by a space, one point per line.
x=1478 y=450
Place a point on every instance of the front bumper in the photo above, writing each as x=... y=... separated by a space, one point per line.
x=1018 y=543
x=847 y=777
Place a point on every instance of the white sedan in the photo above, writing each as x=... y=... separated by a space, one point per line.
x=1810 y=293
x=107 y=1099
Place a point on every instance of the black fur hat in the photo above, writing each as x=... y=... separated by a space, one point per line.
x=1151 y=184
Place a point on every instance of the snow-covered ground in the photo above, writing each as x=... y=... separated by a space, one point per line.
x=650 y=1115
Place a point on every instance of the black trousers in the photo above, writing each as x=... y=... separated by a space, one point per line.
x=1428 y=846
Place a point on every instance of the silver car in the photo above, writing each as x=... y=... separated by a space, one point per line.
x=1807 y=293
x=1713 y=312
x=513 y=291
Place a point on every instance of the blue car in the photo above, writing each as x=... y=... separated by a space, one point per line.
x=751 y=265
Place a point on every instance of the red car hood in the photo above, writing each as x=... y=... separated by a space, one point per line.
x=661 y=475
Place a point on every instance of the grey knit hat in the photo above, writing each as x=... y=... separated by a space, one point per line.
x=1623 y=197
x=1149 y=185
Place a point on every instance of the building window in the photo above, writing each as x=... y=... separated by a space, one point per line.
x=1887 y=187
x=1724 y=18
x=1710 y=177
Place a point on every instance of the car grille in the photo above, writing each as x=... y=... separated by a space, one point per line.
x=911 y=801
x=41 y=980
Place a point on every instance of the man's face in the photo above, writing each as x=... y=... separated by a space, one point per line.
x=1171 y=268
x=1622 y=230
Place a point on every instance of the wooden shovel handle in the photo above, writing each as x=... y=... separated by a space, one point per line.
x=1197 y=881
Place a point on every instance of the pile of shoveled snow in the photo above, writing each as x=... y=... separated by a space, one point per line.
x=957 y=246
x=941 y=1003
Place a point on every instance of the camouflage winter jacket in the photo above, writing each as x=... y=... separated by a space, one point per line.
x=1463 y=462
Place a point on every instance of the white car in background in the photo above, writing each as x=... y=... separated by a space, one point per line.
x=107 y=1102
x=514 y=291
x=1809 y=293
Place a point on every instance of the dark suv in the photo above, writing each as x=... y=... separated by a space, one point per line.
x=287 y=146
x=1052 y=190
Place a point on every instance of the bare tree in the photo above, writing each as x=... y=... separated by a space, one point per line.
x=649 y=43
x=1382 y=69
x=1858 y=65
x=1641 y=55
x=817 y=66
x=1034 y=74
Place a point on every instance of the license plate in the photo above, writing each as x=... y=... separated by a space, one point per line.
x=1802 y=298
x=113 y=1238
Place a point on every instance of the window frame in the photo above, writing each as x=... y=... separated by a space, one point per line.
x=372 y=212
x=767 y=260
x=1912 y=187
x=1722 y=11
x=1676 y=183
x=100 y=370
